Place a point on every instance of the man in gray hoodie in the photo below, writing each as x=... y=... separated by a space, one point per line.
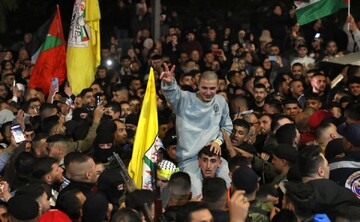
x=199 y=118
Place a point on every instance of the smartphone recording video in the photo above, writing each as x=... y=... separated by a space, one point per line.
x=55 y=83
x=272 y=58
x=18 y=133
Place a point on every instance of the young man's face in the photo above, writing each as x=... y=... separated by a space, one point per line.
x=102 y=73
x=34 y=108
x=109 y=111
x=120 y=134
x=292 y=109
x=135 y=84
x=187 y=80
x=313 y=104
x=331 y=48
x=135 y=106
x=207 y=89
x=125 y=110
x=302 y=51
x=239 y=78
x=260 y=95
x=238 y=135
x=297 y=71
x=278 y=163
x=318 y=83
x=96 y=88
x=274 y=50
x=171 y=151
x=355 y=89
x=56 y=173
x=265 y=125
x=120 y=95
x=209 y=165
x=88 y=99
x=297 y=88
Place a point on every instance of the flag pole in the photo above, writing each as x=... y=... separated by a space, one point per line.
x=348 y=15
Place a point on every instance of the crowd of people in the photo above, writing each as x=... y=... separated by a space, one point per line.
x=251 y=128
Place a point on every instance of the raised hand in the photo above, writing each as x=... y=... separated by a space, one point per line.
x=167 y=74
x=239 y=206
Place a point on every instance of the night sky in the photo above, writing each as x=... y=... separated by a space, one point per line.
x=30 y=14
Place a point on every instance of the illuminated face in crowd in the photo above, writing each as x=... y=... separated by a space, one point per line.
x=125 y=110
x=355 y=89
x=292 y=109
x=120 y=135
x=318 y=83
x=312 y=103
x=238 y=135
x=296 y=88
x=209 y=165
x=260 y=95
x=297 y=71
x=89 y=99
x=207 y=89
x=265 y=125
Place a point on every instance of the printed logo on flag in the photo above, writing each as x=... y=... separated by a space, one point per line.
x=79 y=34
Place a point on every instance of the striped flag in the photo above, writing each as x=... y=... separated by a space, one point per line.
x=142 y=165
x=83 y=51
x=311 y=10
x=51 y=58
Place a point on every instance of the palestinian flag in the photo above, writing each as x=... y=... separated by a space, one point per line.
x=34 y=46
x=51 y=60
x=311 y=10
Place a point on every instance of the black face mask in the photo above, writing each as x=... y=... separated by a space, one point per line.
x=102 y=154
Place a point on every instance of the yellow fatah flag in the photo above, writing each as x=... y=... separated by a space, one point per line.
x=146 y=144
x=83 y=50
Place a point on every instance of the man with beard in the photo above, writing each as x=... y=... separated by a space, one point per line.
x=297 y=69
x=260 y=96
x=318 y=84
x=88 y=99
x=121 y=141
x=297 y=91
x=47 y=171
